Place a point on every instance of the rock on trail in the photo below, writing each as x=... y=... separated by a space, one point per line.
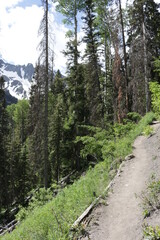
x=121 y=218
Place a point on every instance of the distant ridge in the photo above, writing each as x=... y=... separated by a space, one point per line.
x=17 y=80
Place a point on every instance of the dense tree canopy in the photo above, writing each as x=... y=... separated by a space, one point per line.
x=38 y=137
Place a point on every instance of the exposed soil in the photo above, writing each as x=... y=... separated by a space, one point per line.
x=121 y=218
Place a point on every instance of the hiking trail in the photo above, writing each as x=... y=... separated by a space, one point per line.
x=121 y=217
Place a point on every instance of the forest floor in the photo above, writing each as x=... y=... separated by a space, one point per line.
x=120 y=217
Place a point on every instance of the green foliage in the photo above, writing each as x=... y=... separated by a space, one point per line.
x=4 y=163
x=124 y=146
x=148 y=130
x=54 y=219
x=121 y=130
x=151 y=198
x=133 y=116
x=157 y=65
x=39 y=199
x=155 y=96
x=151 y=233
x=93 y=144
x=115 y=142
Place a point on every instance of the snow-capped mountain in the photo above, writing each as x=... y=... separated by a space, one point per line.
x=17 y=78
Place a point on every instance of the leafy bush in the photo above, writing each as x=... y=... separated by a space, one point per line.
x=152 y=233
x=39 y=198
x=134 y=117
x=55 y=218
x=157 y=65
x=148 y=130
x=100 y=143
x=121 y=130
x=151 y=198
x=114 y=143
x=94 y=142
x=155 y=97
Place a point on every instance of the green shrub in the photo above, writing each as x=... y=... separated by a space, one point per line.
x=134 y=117
x=55 y=218
x=151 y=233
x=121 y=130
x=157 y=65
x=155 y=97
x=151 y=197
x=39 y=198
x=148 y=130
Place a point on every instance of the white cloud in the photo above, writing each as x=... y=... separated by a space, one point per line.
x=9 y=3
x=19 y=33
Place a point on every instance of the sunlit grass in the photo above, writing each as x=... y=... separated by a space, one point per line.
x=54 y=220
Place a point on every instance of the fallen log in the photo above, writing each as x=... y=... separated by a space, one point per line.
x=9 y=227
x=89 y=209
x=66 y=178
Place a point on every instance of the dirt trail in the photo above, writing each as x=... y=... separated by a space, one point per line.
x=121 y=218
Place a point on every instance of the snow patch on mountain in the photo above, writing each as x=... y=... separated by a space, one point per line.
x=17 y=78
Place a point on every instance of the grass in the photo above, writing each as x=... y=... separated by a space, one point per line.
x=151 y=203
x=54 y=219
x=151 y=197
x=152 y=233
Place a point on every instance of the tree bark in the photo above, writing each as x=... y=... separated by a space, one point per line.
x=124 y=52
x=46 y=100
x=145 y=66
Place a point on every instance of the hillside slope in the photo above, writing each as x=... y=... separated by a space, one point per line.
x=121 y=217
x=54 y=220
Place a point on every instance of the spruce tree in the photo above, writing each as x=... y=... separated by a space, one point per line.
x=4 y=165
x=143 y=48
x=103 y=25
x=57 y=109
x=36 y=126
x=93 y=88
x=46 y=54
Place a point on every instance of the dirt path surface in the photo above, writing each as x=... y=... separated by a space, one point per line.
x=121 y=218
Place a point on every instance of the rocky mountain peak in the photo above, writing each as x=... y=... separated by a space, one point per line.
x=17 y=78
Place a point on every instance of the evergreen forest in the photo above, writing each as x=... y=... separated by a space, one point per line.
x=72 y=122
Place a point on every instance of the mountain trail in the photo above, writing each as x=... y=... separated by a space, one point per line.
x=121 y=218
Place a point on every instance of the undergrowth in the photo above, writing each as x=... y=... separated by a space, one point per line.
x=151 y=233
x=151 y=203
x=55 y=218
x=151 y=198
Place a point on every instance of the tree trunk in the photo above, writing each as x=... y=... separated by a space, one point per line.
x=124 y=52
x=145 y=66
x=46 y=101
x=75 y=35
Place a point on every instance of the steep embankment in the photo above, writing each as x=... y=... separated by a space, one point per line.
x=54 y=220
x=121 y=217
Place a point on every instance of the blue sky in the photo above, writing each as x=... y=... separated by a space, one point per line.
x=19 y=24
x=29 y=3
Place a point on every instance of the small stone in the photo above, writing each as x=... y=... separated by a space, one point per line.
x=129 y=157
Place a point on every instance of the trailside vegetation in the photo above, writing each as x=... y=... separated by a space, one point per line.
x=83 y=121
x=54 y=220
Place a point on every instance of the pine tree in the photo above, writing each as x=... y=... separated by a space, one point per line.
x=103 y=25
x=57 y=109
x=70 y=10
x=124 y=53
x=36 y=126
x=143 y=48
x=93 y=89
x=46 y=53
x=4 y=173
x=17 y=152
x=75 y=80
